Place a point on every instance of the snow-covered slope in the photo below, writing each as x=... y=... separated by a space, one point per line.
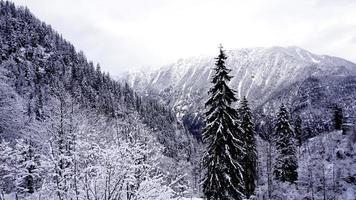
x=67 y=128
x=259 y=74
x=326 y=169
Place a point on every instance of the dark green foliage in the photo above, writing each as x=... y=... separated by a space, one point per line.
x=249 y=162
x=222 y=135
x=286 y=165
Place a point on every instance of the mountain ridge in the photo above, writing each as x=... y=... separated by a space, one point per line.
x=179 y=70
x=259 y=74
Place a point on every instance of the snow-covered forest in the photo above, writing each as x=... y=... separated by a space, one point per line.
x=68 y=130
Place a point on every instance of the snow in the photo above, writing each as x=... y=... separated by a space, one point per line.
x=317 y=159
x=299 y=53
x=250 y=87
x=103 y=150
x=239 y=87
x=350 y=194
x=272 y=66
x=313 y=59
x=156 y=78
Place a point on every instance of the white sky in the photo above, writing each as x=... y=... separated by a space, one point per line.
x=127 y=35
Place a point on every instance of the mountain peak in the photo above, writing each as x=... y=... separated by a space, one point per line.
x=258 y=72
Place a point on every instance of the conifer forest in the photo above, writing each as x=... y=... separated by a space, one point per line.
x=257 y=123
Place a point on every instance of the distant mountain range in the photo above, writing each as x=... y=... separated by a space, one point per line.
x=266 y=76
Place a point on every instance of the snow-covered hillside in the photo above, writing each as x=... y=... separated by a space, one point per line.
x=327 y=169
x=69 y=131
x=260 y=74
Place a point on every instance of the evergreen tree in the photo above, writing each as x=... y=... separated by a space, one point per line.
x=62 y=137
x=286 y=165
x=27 y=167
x=298 y=130
x=6 y=156
x=338 y=117
x=250 y=159
x=222 y=134
x=38 y=94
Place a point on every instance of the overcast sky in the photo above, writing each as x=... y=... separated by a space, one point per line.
x=133 y=34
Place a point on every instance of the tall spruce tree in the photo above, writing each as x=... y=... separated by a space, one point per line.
x=286 y=165
x=222 y=134
x=249 y=162
x=298 y=130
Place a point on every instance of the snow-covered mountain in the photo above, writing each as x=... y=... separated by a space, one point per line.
x=70 y=131
x=259 y=74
